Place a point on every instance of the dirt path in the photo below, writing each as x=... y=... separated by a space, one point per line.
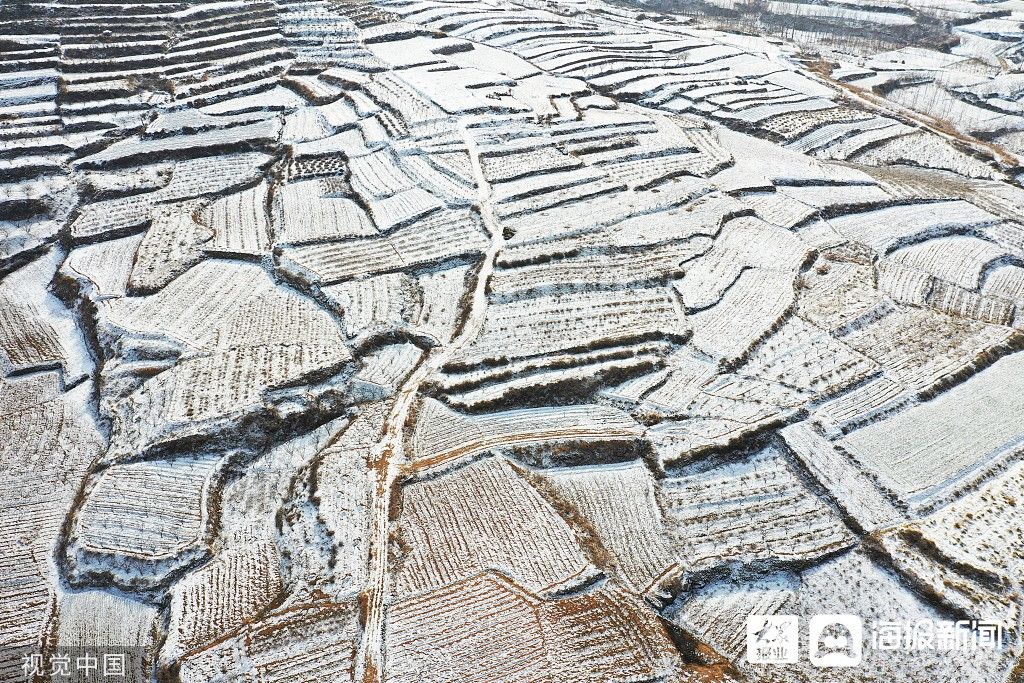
x=940 y=127
x=388 y=457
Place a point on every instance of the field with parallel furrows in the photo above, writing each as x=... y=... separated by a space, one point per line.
x=451 y=341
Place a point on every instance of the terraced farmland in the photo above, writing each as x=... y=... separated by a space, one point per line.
x=397 y=341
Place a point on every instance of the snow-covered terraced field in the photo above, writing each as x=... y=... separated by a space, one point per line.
x=394 y=341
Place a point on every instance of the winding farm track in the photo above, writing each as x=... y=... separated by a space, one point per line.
x=388 y=456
